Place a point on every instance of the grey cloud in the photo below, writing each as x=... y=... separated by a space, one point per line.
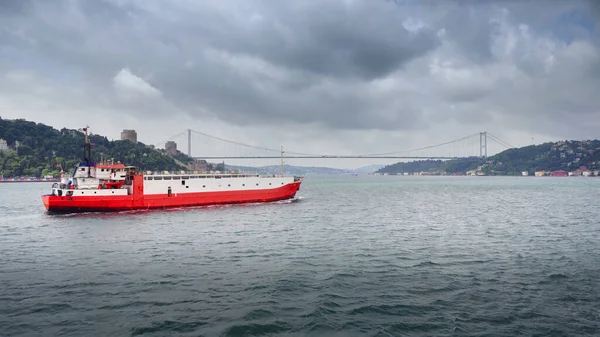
x=243 y=104
x=469 y=28
x=562 y=102
x=314 y=63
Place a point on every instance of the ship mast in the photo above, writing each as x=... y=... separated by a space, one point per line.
x=87 y=147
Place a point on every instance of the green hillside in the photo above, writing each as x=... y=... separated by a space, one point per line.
x=35 y=149
x=552 y=156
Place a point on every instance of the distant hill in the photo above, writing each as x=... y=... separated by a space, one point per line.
x=368 y=169
x=552 y=156
x=35 y=149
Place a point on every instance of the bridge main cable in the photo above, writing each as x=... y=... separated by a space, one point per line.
x=171 y=138
x=251 y=146
x=313 y=155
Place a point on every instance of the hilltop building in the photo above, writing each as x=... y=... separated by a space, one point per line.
x=171 y=147
x=3 y=145
x=129 y=135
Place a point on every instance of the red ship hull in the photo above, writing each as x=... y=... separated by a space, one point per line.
x=71 y=204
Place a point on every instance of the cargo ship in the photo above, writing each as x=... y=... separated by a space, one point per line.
x=111 y=187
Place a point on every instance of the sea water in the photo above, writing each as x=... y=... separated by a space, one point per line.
x=350 y=256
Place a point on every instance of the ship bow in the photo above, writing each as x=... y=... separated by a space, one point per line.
x=46 y=201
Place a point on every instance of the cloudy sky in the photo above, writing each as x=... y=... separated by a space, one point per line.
x=316 y=76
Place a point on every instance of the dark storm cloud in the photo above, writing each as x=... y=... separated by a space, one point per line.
x=14 y=7
x=364 y=39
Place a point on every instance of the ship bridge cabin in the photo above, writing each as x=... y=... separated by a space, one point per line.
x=115 y=172
x=84 y=170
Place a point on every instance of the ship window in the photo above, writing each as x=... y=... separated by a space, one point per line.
x=194 y=177
x=228 y=185
x=203 y=185
x=183 y=182
x=113 y=192
x=243 y=184
x=185 y=177
x=269 y=183
x=176 y=177
x=256 y=184
x=157 y=178
x=167 y=178
x=187 y=187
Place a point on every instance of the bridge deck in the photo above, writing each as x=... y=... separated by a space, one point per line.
x=322 y=157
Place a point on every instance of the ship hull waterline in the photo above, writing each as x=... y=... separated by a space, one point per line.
x=80 y=204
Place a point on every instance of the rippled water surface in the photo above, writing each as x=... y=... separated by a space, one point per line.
x=354 y=256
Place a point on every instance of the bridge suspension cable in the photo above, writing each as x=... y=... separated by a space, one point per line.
x=423 y=148
x=171 y=138
x=339 y=156
x=500 y=141
x=233 y=142
x=252 y=146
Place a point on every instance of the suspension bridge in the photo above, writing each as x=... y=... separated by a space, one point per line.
x=217 y=148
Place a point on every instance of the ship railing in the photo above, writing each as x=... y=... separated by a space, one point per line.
x=178 y=173
x=197 y=176
x=209 y=174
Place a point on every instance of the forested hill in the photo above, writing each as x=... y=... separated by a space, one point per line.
x=35 y=149
x=552 y=156
x=448 y=166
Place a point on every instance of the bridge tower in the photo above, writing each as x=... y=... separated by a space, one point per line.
x=189 y=132
x=483 y=144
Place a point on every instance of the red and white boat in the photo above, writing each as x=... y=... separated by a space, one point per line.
x=116 y=187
